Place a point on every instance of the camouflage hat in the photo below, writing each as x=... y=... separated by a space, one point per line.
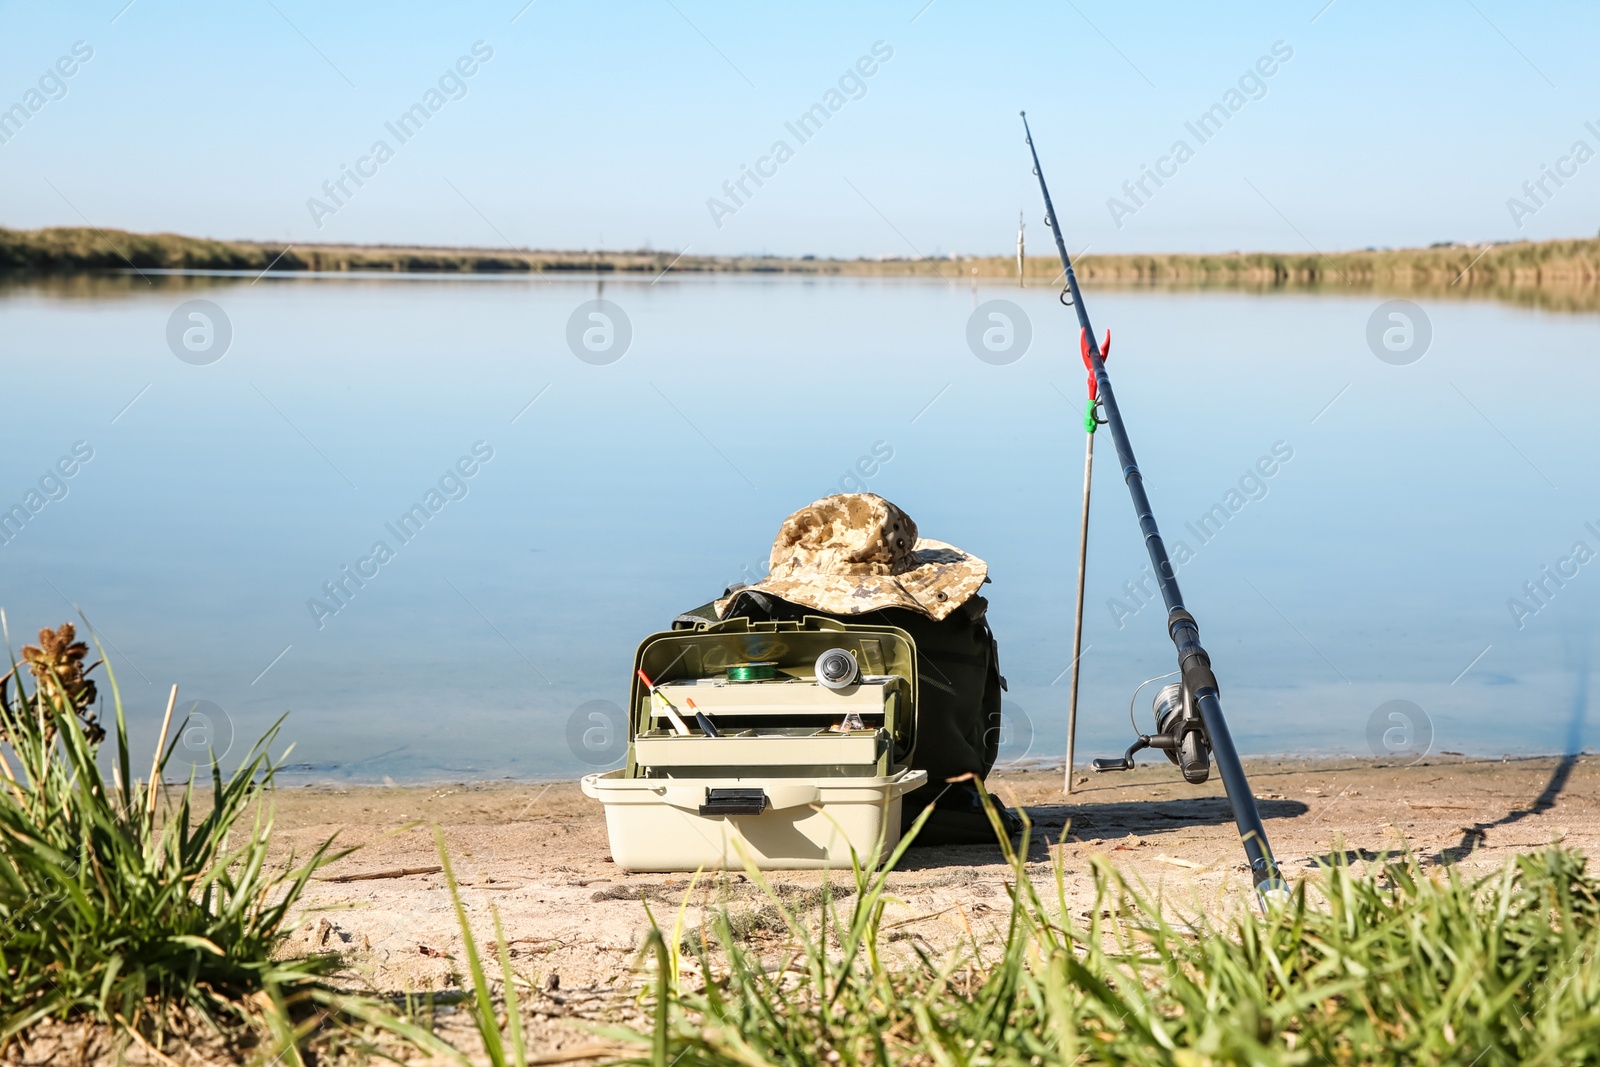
x=853 y=553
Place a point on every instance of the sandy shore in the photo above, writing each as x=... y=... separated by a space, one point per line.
x=538 y=854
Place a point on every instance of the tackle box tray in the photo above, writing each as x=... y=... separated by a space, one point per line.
x=789 y=695
x=859 y=748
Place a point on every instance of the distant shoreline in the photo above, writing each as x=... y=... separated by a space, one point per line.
x=1557 y=274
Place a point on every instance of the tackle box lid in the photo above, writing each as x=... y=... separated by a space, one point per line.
x=694 y=664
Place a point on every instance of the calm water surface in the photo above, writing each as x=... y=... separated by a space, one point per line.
x=1405 y=509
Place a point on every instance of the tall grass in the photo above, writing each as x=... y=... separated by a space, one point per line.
x=128 y=907
x=1403 y=964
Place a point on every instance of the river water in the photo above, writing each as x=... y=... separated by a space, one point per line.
x=1355 y=531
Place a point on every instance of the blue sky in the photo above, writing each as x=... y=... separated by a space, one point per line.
x=611 y=126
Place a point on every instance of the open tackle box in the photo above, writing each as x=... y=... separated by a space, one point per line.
x=744 y=750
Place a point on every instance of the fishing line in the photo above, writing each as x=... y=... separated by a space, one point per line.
x=1135 y=698
x=753 y=672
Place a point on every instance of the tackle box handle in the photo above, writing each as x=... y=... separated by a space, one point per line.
x=741 y=625
x=697 y=797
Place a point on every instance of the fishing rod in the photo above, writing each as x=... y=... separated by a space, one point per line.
x=1190 y=725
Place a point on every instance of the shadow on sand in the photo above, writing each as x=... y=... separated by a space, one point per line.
x=1475 y=835
x=1099 y=823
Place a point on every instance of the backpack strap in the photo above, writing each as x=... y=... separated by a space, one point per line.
x=745 y=603
x=757 y=607
x=696 y=618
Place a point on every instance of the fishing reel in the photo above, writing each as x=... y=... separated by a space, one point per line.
x=1180 y=733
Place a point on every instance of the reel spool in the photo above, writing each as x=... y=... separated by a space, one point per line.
x=1180 y=734
x=1173 y=717
x=837 y=669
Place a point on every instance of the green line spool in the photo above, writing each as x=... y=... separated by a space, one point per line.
x=761 y=671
